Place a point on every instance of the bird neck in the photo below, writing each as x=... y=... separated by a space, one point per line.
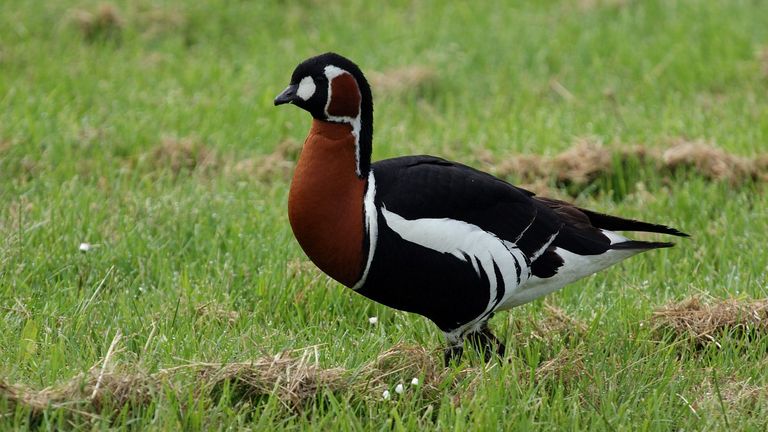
x=325 y=202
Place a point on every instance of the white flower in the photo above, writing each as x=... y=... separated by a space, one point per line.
x=373 y=320
x=415 y=381
x=399 y=389
x=85 y=247
x=385 y=395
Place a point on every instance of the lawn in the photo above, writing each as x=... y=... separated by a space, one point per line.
x=149 y=278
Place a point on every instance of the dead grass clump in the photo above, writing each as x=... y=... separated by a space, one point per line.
x=581 y=164
x=158 y=21
x=402 y=363
x=531 y=169
x=5 y=145
x=555 y=324
x=277 y=165
x=403 y=79
x=295 y=381
x=104 y=23
x=298 y=380
x=295 y=378
x=584 y=162
x=588 y=160
x=709 y=161
x=736 y=394
x=558 y=322
x=704 y=323
x=91 y=394
x=182 y=154
x=762 y=58
x=216 y=312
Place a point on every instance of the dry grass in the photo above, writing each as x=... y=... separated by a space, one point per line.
x=400 y=80
x=92 y=394
x=295 y=381
x=712 y=162
x=5 y=145
x=555 y=324
x=706 y=322
x=762 y=59
x=277 y=165
x=402 y=363
x=215 y=312
x=186 y=154
x=566 y=367
x=588 y=160
x=107 y=22
x=103 y=23
x=157 y=21
x=295 y=378
x=585 y=162
x=189 y=155
x=716 y=395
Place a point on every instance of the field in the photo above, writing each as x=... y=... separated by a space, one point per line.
x=149 y=278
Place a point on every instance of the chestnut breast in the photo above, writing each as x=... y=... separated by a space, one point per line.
x=325 y=202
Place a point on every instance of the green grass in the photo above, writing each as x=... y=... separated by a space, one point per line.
x=82 y=119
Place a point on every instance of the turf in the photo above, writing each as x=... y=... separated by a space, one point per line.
x=146 y=129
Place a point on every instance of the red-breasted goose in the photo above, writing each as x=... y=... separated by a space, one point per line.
x=427 y=235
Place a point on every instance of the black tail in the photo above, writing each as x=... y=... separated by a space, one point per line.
x=614 y=223
x=640 y=245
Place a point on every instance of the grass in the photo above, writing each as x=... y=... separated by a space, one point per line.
x=143 y=128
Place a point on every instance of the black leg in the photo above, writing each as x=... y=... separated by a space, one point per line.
x=452 y=353
x=485 y=341
x=482 y=340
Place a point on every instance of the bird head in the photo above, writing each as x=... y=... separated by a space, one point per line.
x=328 y=86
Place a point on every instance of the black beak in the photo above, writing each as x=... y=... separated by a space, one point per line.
x=287 y=96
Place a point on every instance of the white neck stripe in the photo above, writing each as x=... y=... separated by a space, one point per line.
x=371 y=226
x=332 y=72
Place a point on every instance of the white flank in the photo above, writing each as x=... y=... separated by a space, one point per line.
x=614 y=237
x=371 y=226
x=332 y=72
x=574 y=268
x=462 y=240
x=307 y=88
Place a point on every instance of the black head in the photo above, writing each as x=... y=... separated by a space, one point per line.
x=329 y=86
x=333 y=89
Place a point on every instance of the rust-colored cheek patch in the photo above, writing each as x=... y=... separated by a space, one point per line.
x=345 y=97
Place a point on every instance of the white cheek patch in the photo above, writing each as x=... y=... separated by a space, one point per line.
x=307 y=88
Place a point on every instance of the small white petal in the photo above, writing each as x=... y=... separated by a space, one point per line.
x=399 y=389
x=415 y=381
x=373 y=320
x=85 y=247
x=385 y=395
